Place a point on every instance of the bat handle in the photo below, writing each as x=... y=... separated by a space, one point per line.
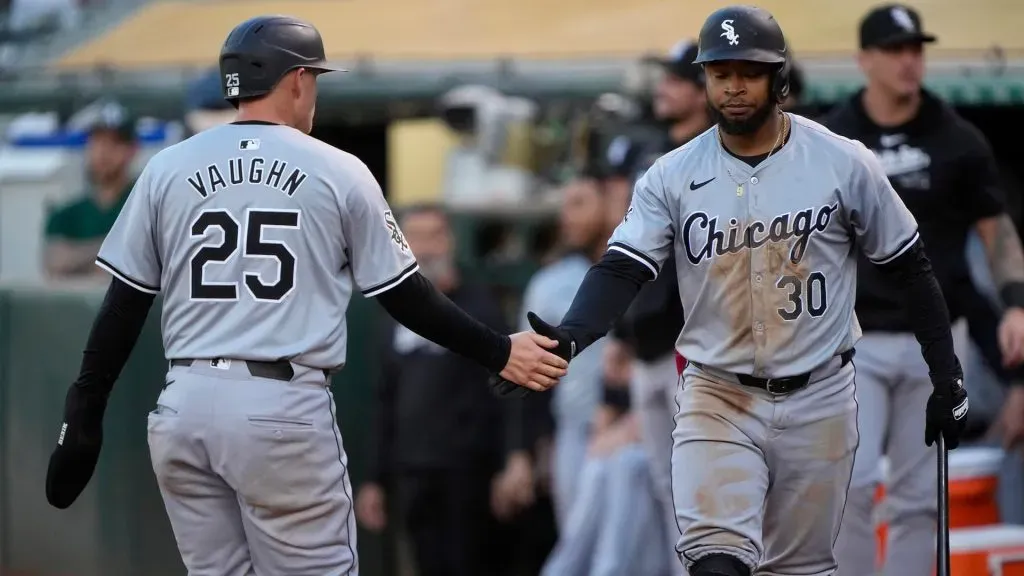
x=942 y=544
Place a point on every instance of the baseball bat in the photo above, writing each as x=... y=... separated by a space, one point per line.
x=942 y=546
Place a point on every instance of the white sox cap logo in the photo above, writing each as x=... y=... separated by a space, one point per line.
x=902 y=18
x=730 y=33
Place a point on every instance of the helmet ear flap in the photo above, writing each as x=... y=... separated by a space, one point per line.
x=780 y=82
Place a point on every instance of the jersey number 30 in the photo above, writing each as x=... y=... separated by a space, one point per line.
x=255 y=246
x=809 y=295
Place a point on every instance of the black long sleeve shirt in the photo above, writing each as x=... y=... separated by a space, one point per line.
x=432 y=408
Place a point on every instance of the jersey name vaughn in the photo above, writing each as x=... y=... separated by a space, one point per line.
x=250 y=171
x=702 y=236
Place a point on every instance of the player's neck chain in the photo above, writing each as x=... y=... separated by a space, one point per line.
x=780 y=139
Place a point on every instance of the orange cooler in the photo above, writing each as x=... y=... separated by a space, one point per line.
x=973 y=484
x=987 y=551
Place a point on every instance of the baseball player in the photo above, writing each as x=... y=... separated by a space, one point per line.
x=944 y=171
x=764 y=215
x=257 y=235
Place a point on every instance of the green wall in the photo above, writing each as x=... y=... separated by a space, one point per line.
x=118 y=526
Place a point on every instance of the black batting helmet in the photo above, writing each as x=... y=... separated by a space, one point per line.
x=261 y=50
x=746 y=33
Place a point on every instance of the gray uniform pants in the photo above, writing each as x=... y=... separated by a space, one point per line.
x=653 y=391
x=252 y=473
x=893 y=388
x=612 y=528
x=762 y=477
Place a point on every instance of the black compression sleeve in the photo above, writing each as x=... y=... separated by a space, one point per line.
x=114 y=333
x=420 y=307
x=606 y=292
x=929 y=315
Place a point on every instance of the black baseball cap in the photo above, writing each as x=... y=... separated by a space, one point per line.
x=679 y=62
x=892 y=25
x=114 y=118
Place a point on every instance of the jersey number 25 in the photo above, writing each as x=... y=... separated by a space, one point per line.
x=255 y=246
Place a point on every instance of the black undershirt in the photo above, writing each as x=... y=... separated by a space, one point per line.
x=415 y=302
x=612 y=284
x=756 y=159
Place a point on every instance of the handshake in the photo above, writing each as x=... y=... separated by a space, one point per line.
x=536 y=361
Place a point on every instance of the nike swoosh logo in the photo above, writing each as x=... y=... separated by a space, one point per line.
x=694 y=185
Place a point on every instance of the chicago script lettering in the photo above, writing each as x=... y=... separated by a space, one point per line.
x=703 y=239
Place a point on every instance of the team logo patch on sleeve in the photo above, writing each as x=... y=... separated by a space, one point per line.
x=396 y=233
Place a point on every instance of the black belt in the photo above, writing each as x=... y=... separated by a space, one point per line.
x=279 y=370
x=786 y=385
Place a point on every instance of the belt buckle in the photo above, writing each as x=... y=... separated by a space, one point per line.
x=770 y=383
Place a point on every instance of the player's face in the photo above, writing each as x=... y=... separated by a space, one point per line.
x=676 y=98
x=430 y=240
x=427 y=234
x=739 y=95
x=583 y=218
x=897 y=69
x=108 y=156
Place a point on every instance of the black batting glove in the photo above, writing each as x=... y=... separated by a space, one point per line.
x=946 y=413
x=566 y=349
x=504 y=389
x=73 y=461
x=566 y=346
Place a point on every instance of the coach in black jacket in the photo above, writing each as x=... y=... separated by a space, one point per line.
x=438 y=435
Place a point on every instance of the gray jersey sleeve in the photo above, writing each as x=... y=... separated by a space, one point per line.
x=883 y=226
x=130 y=251
x=378 y=253
x=646 y=233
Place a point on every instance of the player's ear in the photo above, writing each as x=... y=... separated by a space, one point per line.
x=294 y=80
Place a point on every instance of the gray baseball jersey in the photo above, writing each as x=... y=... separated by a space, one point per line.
x=256 y=234
x=767 y=272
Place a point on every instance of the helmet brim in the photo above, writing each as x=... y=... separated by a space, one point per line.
x=323 y=67
x=745 y=55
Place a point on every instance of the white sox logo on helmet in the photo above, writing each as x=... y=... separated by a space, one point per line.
x=730 y=33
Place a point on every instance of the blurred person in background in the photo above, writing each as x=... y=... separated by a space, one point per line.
x=679 y=103
x=75 y=230
x=943 y=169
x=584 y=235
x=438 y=430
x=615 y=524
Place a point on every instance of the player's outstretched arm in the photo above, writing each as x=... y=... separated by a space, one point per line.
x=522 y=358
x=111 y=340
x=608 y=289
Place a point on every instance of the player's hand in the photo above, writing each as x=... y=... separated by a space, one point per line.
x=513 y=489
x=531 y=365
x=1011 y=337
x=946 y=413
x=566 y=347
x=371 y=507
x=1009 y=426
x=73 y=461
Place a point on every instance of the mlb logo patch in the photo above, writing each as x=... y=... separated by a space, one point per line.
x=250 y=144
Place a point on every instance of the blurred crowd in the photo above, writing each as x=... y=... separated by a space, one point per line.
x=575 y=482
